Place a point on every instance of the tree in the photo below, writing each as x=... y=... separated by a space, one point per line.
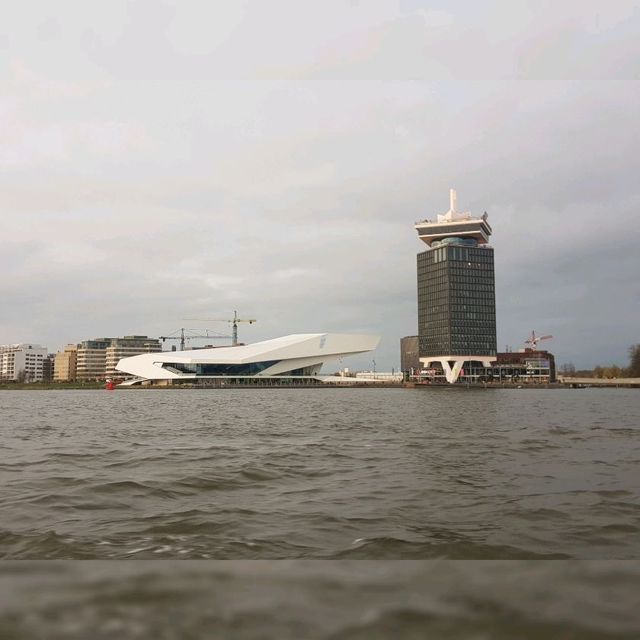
x=611 y=372
x=634 y=361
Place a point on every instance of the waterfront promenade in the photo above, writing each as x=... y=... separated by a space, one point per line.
x=599 y=382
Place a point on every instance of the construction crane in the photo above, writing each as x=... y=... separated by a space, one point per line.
x=534 y=339
x=233 y=322
x=183 y=337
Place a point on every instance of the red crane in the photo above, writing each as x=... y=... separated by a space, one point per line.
x=534 y=339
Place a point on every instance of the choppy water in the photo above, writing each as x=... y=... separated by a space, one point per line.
x=320 y=473
x=333 y=600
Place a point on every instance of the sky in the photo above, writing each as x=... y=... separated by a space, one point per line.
x=166 y=160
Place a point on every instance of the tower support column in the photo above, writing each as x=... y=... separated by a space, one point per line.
x=452 y=365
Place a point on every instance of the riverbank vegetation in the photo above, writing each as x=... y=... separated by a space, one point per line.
x=607 y=371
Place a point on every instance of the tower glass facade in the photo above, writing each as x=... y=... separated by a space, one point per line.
x=456 y=301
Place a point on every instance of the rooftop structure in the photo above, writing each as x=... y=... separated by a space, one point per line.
x=454 y=226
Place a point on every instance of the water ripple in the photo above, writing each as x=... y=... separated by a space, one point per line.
x=305 y=473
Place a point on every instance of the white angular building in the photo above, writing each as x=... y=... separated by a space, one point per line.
x=297 y=356
x=22 y=362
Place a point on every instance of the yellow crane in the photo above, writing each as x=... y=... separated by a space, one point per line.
x=184 y=336
x=232 y=321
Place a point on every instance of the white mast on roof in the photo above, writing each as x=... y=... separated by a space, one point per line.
x=453 y=214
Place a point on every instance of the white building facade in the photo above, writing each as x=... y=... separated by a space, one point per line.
x=22 y=362
x=298 y=356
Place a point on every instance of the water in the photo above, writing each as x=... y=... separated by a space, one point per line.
x=320 y=473
x=333 y=600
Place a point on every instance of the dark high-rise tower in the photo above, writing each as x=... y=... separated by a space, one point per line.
x=456 y=292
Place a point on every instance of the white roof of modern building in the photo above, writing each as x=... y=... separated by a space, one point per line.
x=291 y=352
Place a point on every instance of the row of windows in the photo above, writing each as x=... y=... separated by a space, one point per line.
x=470 y=317
x=481 y=292
x=441 y=296
x=484 y=307
x=457 y=325
x=458 y=280
x=479 y=328
x=468 y=266
x=475 y=333
x=480 y=303
x=463 y=282
x=457 y=283
x=472 y=268
x=430 y=315
x=248 y=369
x=480 y=349
x=461 y=258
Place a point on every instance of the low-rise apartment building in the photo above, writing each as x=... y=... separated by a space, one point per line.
x=97 y=359
x=22 y=362
x=66 y=364
x=91 y=359
x=126 y=347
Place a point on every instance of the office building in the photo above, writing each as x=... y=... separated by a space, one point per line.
x=22 y=362
x=410 y=355
x=66 y=363
x=456 y=292
x=48 y=364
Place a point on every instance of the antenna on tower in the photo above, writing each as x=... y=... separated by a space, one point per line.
x=453 y=197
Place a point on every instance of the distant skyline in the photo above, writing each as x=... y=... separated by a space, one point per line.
x=167 y=160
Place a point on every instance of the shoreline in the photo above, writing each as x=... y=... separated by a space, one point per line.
x=97 y=386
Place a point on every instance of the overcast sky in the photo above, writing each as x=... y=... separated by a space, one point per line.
x=165 y=160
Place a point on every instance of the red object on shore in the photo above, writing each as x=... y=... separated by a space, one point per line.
x=109 y=386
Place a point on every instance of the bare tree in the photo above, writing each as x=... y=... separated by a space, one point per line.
x=567 y=368
x=634 y=365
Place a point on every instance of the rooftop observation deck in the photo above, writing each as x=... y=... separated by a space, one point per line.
x=454 y=224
